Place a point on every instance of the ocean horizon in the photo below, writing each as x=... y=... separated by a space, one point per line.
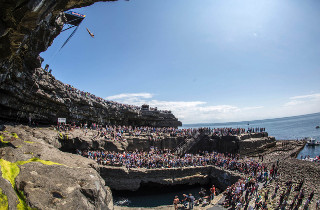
x=285 y=128
x=244 y=121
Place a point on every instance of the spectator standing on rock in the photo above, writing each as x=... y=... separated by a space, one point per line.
x=300 y=198
x=298 y=188
x=318 y=205
x=256 y=187
x=30 y=120
x=275 y=191
x=185 y=201
x=284 y=204
x=176 y=202
x=191 y=201
x=311 y=195
x=306 y=204
x=292 y=204
x=257 y=202
x=212 y=192
x=266 y=195
x=281 y=199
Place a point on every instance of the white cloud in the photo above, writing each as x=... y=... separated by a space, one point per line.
x=315 y=96
x=253 y=107
x=130 y=95
x=296 y=100
x=202 y=112
x=219 y=108
x=186 y=111
x=293 y=103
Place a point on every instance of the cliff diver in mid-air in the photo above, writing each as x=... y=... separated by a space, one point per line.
x=91 y=34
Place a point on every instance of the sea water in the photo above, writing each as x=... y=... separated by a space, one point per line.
x=287 y=128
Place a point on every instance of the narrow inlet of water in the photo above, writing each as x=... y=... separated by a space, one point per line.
x=153 y=196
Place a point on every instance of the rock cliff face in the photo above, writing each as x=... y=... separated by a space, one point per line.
x=133 y=144
x=44 y=98
x=245 y=144
x=122 y=179
x=28 y=28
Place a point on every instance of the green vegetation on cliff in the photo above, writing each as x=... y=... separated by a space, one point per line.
x=3 y=201
x=2 y=140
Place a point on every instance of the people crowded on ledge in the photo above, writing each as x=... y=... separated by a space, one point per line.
x=308 y=158
x=156 y=158
x=122 y=133
x=72 y=90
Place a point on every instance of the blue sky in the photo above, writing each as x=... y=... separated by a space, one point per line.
x=207 y=61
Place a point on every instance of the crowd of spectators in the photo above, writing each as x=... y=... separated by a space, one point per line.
x=237 y=196
x=122 y=133
x=254 y=187
x=308 y=158
x=234 y=131
x=155 y=158
x=73 y=90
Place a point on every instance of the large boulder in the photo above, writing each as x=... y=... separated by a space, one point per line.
x=37 y=175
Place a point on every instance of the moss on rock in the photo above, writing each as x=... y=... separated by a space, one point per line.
x=3 y=201
x=2 y=140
